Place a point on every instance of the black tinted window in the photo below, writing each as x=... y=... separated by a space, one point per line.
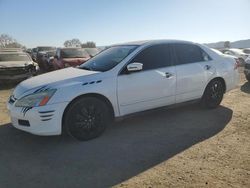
x=188 y=53
x=154 y=57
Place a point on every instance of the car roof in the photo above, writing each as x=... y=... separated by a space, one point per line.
x=160 y=41
x=11 y=50
x=71 y=48
x=45 y=47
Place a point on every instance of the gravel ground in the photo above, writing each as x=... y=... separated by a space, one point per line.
x=220 y=161
x=181 y=147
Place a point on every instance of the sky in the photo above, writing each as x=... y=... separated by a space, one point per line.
x=106 y=22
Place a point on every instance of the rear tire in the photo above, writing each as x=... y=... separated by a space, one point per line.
x=213 y=94
x=86 y=118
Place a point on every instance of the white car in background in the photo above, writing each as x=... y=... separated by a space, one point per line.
x=239 y=53
x=121 y=80
x=246 y=51
x=16 y=65
x=247 y=69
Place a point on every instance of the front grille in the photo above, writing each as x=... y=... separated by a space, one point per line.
x=13 y=71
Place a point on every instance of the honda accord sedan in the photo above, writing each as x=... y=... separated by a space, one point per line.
x=121 y=80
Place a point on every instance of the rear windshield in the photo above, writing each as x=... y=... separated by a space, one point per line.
x=14 y=57
x=74 y=53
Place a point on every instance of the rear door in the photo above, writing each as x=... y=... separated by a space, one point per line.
x=194 y=68
x=152 y=87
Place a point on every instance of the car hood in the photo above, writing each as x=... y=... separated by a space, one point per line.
x=7 y=64
x=50 y=80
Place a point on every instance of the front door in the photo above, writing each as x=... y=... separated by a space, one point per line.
x=154 y=86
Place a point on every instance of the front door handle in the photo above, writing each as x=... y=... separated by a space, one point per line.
x=168 y=75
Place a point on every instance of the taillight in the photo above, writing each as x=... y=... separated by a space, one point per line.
x=236 y=64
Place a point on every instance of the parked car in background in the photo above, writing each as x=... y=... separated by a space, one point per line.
x=92 y=51
x=121 y=80
x=70 y=57
x=16 y=66
x=29 y=51
x=33 y=54
x=247 y=69
x=47 y=60
x=41 y=52
x=226 y=55
x=246 y=51
x=238 y=53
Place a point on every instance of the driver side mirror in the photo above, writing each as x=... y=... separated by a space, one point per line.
x=134 y=67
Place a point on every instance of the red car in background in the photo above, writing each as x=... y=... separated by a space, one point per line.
x=69 y=57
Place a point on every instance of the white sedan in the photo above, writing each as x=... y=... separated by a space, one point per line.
x=239 y=53
x=121 y=80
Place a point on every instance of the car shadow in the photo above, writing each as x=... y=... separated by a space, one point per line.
x=245 y=87
x=126 y=149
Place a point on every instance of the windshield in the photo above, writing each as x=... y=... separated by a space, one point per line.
x=92 y=51
x=45 y=49
x=14 y=57
x=51 y=53
x=74 y=53
x=108 y=59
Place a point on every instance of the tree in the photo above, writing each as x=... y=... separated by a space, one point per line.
x=72 y=43
x=227 y=44
x=89 y=44
x=7 y=41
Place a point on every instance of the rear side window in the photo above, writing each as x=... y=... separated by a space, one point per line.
x=189 y=53
x=154 y=57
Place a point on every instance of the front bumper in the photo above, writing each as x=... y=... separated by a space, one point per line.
x=15 y=77
x=44 y=121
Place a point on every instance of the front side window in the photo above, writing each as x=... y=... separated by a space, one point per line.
x=154 y=57
x=189 y=53
x=109 y=58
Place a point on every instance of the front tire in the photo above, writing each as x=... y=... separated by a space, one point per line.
x=86 y=118
x=213 y=94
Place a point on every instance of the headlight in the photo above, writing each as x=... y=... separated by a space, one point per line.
x=36 y=99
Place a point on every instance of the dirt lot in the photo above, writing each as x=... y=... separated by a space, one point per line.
x=181 y=147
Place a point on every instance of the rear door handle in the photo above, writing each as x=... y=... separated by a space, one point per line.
x=168 y=75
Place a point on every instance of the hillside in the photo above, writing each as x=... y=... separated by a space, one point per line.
x=235 y=44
